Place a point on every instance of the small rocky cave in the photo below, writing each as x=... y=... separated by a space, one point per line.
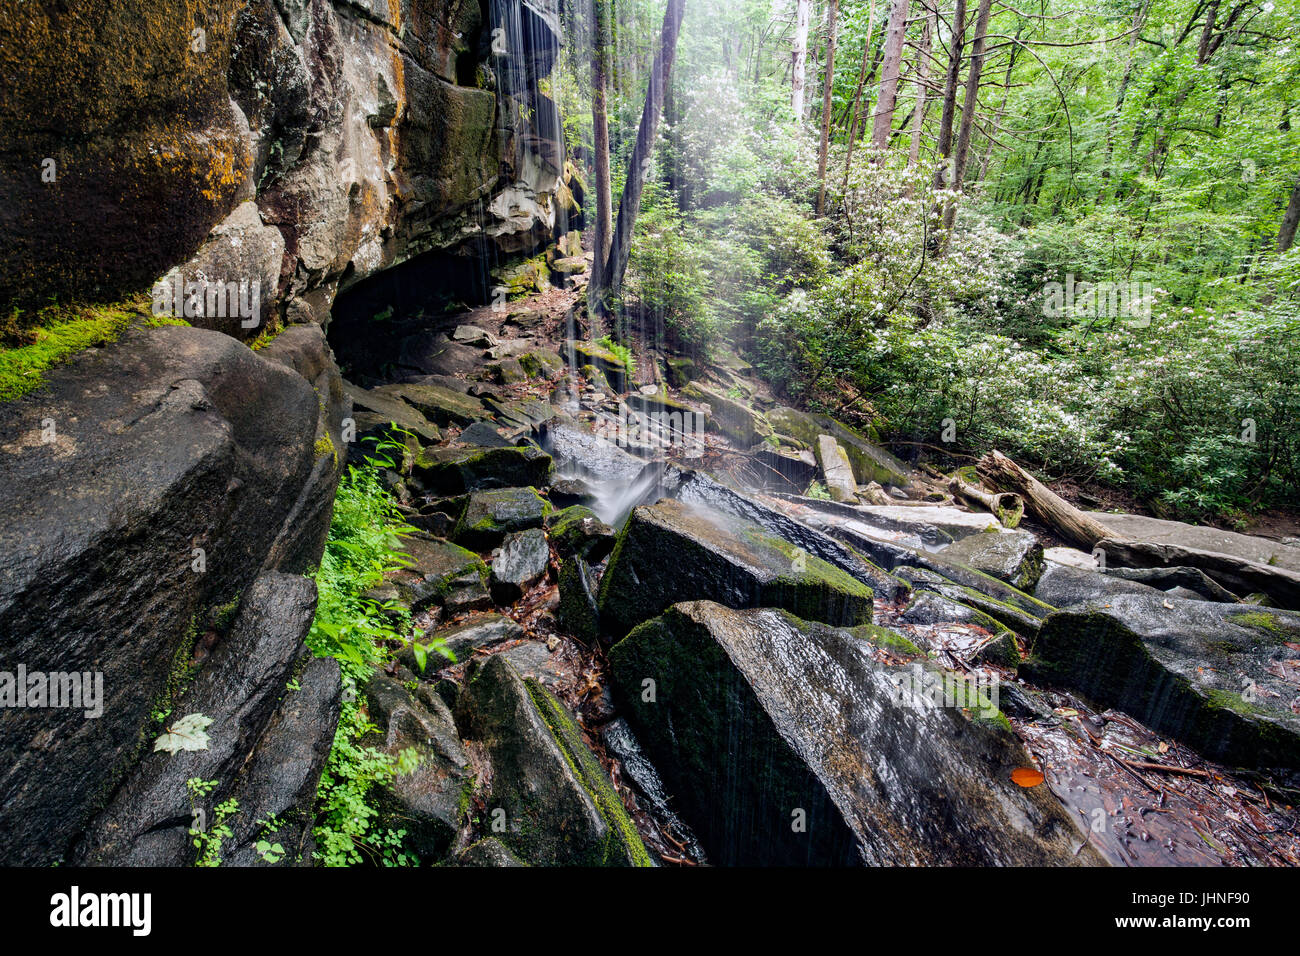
x=381 y=328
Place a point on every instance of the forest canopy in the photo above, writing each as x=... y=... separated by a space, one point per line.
x=1063 y=231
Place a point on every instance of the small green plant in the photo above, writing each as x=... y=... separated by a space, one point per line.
x=818 y=490
x=622 y=352
x=208 y=841
x=360 y=633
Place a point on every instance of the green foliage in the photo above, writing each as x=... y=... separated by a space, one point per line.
x=361 y=633
x=208 y=840
x=622 y=352
x=36 y=342
x=666 y=274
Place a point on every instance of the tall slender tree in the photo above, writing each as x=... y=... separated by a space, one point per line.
x=922 y=75
x=956 y=44
x=889 y=71
x=600 y=138
x=970 y=105
x=833 y=20
x=642 y=151
x=799 y=56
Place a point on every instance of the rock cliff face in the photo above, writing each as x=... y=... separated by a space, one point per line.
x=165 y=495
x=147 y=490
x=300 y=144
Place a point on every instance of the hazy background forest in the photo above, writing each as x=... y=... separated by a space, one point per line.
x=894 y=212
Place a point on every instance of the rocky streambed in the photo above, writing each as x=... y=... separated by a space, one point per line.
x=666 y=651
x=752 y=676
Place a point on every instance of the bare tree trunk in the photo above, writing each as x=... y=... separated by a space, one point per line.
x=834 y=17
x=969 y=106
x=600 y=136
x=922 y=72
x=1286 y=234
x=799 y=65
x=643 y=150
x=889 y=75
x=958 y=41
x=1007 y=507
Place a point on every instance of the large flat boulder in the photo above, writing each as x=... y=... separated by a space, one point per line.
x=438 y=404
x=1223 y=678
x=703 y=491
x=1241 y=575
x=792 y=743
x=377 y=409
x=1012 y=556
x=434 y=570
x=1021 y=612
x=953 y=522
x=145 y=487
x=1202 y=538
x=673 y=551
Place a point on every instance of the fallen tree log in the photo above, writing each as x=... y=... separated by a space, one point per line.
x=1078 y=527
x=1007 y=506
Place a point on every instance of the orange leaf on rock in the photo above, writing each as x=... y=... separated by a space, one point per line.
x=1026 y=777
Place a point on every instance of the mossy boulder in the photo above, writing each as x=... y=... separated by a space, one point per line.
x=435 y=570
x=523 y=413
x=437 y=403
x=1016 y=616
x=491 y=515
x=673 y=552
x=467 y=636
x=786 y=742
x=609 y=364
x=737 y=421
x=454 y=471
x=578 y=613
x=577 y=530
x=930 y=607
x=870 y=461
x=1216 y=676
x=681 y=371
x=375 y=414
x=542 y=363
x=426 y=803
x=508 y=371
x=667 y=416
x=547 y=793
x=1012 y=556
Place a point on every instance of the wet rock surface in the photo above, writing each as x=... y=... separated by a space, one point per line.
x=1012 y=556
x=672 y=552
x=1221 y=678
x=194 y=490
x=759 y=719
